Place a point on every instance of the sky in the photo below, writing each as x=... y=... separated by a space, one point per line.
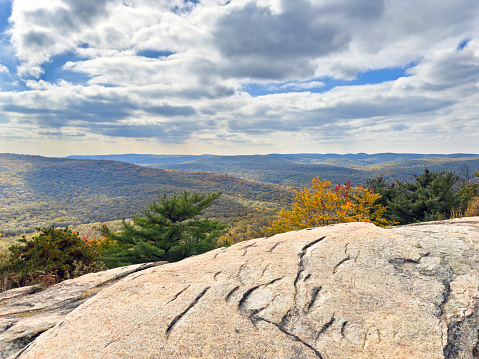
x=232 y=77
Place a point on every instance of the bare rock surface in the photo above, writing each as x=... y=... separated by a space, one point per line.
x=27 y=312
x=344 y=291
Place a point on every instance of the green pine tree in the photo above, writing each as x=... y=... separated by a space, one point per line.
x=169 y=229
x=432 y=196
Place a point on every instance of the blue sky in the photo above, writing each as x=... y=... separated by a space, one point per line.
x=239 y=76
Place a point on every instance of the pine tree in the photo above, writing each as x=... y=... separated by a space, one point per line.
x=167 y=230
x=432 y=196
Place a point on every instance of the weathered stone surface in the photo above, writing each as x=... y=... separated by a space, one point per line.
x=344 y=291
x=27 y=312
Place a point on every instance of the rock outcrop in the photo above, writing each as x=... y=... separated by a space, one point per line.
x=27 y=312
x=344 y=291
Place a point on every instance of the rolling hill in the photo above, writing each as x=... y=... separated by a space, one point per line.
x=38 y=191
x=299 y=169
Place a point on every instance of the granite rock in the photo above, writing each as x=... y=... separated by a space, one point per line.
x=343 y=291
x=27 y=312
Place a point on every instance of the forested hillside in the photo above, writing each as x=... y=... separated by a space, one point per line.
x=300 y=169
x=39 y=191
x=269 y=169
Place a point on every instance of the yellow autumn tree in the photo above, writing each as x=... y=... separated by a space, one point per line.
x=322 y=205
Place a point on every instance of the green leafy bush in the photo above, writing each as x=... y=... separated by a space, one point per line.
x=48 y=258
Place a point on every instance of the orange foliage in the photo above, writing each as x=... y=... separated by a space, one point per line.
x=321 y=206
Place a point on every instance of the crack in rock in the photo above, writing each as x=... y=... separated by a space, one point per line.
x=445 y=297
x=343 y=328
x=301 y=266
x=463 y=338
x=325 y=327
x=342 y=261
x=291 y=335
x=177 y=295
x=274 y=247
x=264 y=270
x=245 y=248
x=240 y=270
x=251 y=313
x=183 y=313
x=314 y=296
x=230 y=293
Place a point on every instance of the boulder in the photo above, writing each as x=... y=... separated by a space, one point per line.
x=344 y=291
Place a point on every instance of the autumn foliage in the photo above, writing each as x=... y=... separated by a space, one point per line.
x=322 y=205
x=50 y=257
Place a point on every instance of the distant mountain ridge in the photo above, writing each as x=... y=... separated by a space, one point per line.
x=141 y=159
x=298 y=169
x=362 y=158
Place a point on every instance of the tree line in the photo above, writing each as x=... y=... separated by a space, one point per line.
x=174 y=226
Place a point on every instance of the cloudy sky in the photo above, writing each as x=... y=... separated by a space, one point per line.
x=239 y=76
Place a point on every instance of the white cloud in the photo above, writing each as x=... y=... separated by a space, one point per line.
x=214 y=48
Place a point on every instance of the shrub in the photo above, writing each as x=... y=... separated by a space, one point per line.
x=473 y=208
x=51 y=256
x=321 y=206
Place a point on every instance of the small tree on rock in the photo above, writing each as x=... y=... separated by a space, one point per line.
x=167 y=230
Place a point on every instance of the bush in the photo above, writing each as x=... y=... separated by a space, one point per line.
x=322 y=205
x=473 y=208
x=48 y=258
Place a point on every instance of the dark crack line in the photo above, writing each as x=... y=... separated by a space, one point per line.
x=231 y=292
x=325 y=327
x=264 y=270
x=402 y=261
x=343 y=328
x=346 y=252
x=273 y=281
x=241 y=269
x=177 y=295
x=245 y=248
x=219 y=251
x=335 y=269
x=251 y=313
x=445 y=297
x=303 y=251
x=291 y=335
x=216 y=275
x=244 y=297
x=274 y=247
x=183 y=313
x=314 y=296
x=292 y=312
x=301 y=267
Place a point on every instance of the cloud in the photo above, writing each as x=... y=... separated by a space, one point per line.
x=175 y=71
x=261 y=43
